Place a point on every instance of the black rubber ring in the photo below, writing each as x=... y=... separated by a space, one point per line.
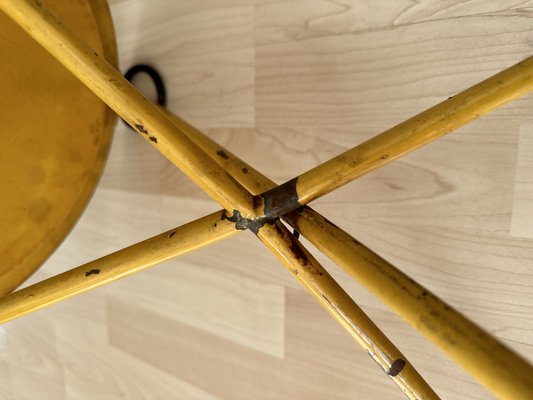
x=156 y=79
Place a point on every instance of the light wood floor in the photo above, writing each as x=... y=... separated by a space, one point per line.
x=287 y=84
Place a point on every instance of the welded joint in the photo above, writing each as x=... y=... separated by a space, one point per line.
x=280 y=200
x=274 y=203
x=243 y=223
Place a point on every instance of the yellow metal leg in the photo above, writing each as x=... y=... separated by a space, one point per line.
x=482 y=355
x=115 y=91
x=117 y=265
x=417 y=131
x=257 y=213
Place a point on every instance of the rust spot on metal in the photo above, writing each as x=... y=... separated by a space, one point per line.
x=171 y=234
x=396 y=367
x=281 y=200
x=223 y=154
x=422 y=294
x=294 y=247
x=153 y=139
x=92 y=272
x=245 y=170
x=257 y=201
x=141 y=128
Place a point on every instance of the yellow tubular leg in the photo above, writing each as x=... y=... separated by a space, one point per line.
x=405 y=137
x=341 y=307
x=493 y=364
x=109 y=84
x=117 y=265
x=115 y=91
x=202 y=232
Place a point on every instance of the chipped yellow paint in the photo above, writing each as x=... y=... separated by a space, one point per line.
x=409 y=135
x=343 y=309
x=117 y=265
x=107 y=83
x=172 y=141
x=482 y=355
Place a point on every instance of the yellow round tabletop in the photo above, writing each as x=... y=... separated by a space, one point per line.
x=55 y=138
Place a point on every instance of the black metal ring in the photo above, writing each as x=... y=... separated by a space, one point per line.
x=156 y=79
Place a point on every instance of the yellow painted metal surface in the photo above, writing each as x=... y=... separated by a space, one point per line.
x=409 y=135
x=470 y=346
x=107 y=83
x=55 y=137
x=492 y=363
x=117 y=265
x=344 y=310
x=173 y=143
x=89 y=67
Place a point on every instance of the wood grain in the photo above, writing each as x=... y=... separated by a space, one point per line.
x=287 y=84
x=522 y=218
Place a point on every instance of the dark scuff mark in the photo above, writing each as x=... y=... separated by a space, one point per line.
x=257 y=201
x=92 y=272
x=327 y=300
x=153 y=139
x=396 y=367
x=171 y=234
x=245 y=170
x=223 y=154
x=242 y=223
x=300 y=210
x=141 y=128
x=281 y=200
x=422 y=294
x=295 y=248
x=224 y=215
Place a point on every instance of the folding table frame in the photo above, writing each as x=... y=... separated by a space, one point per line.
x=253 y=202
